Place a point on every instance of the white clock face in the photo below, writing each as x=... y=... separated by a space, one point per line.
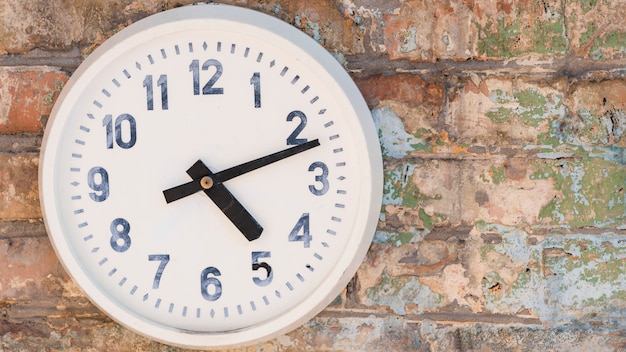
x=165 y=251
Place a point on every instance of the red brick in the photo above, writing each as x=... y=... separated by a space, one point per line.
x=27 y=95
x=19 y=195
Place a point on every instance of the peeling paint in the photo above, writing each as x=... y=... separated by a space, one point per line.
x=394 y=139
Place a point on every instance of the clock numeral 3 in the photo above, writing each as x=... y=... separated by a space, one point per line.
x=293 y=137
x=256 y=265
x=208 y=278
x=120 y=240
x=208 y=88
x=323 y=178
x=148 y=84
x=98 y=180
x=125 y=137
x=301 y=226
x=163 y=259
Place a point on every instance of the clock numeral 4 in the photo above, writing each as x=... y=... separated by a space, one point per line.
x=148 y=84
x=124 y=130
x=208 y=87
x=302 y=226
x=98 y=180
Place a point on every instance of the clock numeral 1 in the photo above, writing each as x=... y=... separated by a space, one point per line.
x=163 y=259
x=256 y=82
x=208 y=278
x=120 y=240
x=301 y=226
x=208 y=88
x=148 y=84
x=98 y=180
x=322 y=179
x=125 y=138
x=256 y=265
x=293 y=137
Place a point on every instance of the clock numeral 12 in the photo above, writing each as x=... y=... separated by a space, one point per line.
x=208 y=88
x=148 y=84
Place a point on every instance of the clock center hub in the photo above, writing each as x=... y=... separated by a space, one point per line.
x=206 y=182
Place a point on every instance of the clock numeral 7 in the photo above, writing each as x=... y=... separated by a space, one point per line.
x=148 y=84
x=163 y=259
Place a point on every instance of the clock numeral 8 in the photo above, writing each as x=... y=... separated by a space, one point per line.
x=207 y=279
x=120 y=240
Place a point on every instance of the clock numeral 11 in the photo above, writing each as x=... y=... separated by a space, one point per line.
x=148 y=84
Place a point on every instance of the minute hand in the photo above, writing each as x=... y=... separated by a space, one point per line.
x=197 y=185
x=252 y=165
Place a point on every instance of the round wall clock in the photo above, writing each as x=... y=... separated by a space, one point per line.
x=211 y=177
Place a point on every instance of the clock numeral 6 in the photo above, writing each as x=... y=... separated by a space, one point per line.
x=120 y=240
x=208 y=278
x=256 y=265
x=125 y=137
x=98 y=180
x=301 y=226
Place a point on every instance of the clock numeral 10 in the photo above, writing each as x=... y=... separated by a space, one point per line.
x=124 y=130
x=148 y=84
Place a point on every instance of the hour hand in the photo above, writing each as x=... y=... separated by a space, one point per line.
x=218 y=193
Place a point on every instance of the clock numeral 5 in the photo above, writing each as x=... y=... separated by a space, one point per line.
x=256 y=265
x=125 y=137
x=208 y=88
x=301 y=226
x=148 y=84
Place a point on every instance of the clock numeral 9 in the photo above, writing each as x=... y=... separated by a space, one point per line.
x=301 y=226
x=208 y=88
x=98 y=180
x=148 y=84
x=125 y=138
x=120 y=240
x=208 y=278
x=322 y=179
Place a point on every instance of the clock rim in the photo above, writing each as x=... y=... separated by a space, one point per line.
x=365 y=221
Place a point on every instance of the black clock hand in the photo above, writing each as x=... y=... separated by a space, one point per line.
x=202 y=182
x=227 y=203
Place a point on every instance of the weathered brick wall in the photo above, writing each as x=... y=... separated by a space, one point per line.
x=503 y=128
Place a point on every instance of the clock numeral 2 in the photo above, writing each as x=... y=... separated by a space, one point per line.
x=293 y=137
x=148 y=84
x=208 y=88
x=125 y=137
